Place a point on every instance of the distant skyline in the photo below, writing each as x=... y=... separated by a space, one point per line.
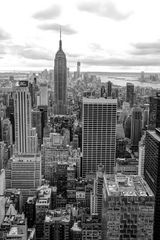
x=104 y=35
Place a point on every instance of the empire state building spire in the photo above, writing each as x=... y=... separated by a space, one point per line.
x=60 y=41
x=60 y=81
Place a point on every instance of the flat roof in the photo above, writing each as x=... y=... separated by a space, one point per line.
x=99 y=101
x=154 y=134
x=126 y=185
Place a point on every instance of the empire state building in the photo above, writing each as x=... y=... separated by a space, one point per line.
x=60 y=81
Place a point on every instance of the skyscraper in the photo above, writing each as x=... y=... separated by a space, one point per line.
x=154 y=112
x=22 y=108
x=152 y=173
x=130 y=93
x=60 y=81
x=136 y=126
x=99 y=134
x=109 y=89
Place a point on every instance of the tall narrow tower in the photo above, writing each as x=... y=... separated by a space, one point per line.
x=60 y=81
x=22 y=106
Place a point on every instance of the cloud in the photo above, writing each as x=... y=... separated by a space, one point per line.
x=4 y=35
x=66 y=29
x=151 y=48
x=73 y=55
x=95 y=47
x=104 y=9
x=49 y=13
x=30 y=52
x=122 y=62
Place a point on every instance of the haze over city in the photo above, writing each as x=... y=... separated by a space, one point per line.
x=105 y=35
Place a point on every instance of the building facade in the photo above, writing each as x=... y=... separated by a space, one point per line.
x=99 y=134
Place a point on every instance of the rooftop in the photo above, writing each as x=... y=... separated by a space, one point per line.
x=57 y=215
x=99 y=101
x=124 y=185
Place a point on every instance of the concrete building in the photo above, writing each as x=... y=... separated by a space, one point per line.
x=99 y=134
x=43 y=204
x=57 y=225
x=128 y=208
x=43 y=101
x=24 y=172
x=152 y=172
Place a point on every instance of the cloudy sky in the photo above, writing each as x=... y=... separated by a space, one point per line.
x=105 y=35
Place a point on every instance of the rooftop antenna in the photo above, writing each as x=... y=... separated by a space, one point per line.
x=60 y=41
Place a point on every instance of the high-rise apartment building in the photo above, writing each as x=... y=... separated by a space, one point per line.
x=152 y=173
x=128 y=208
x=60 y=81
x=99 y=134
x=130 y=93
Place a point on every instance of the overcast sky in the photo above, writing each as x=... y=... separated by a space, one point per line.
x=104 y=35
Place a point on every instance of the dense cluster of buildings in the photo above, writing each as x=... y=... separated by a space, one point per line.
x=79 y=159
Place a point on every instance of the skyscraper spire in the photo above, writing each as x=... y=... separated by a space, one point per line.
x=60 y=41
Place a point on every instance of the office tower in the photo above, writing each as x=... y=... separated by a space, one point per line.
x=36 y=120
x=24 y=172
x=130 y=93
x=109 y=89
x=78 y=69
x=43 y=94
x=99 y=134
x=154 y=112
x=128 y=208
x=136 y=127
x=141 y=156
x=22 y=107
x=152 y=173
x=103 y=91
x=60 y=81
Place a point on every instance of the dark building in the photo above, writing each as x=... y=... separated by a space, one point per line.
x=30 y=211
x=109 y=89
x=103 y=91
x=44 y=117
x=152 y=173
x=136 y=127
x=37 y=123
x=60 y=81
x=154 y=113
x=130 y=93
